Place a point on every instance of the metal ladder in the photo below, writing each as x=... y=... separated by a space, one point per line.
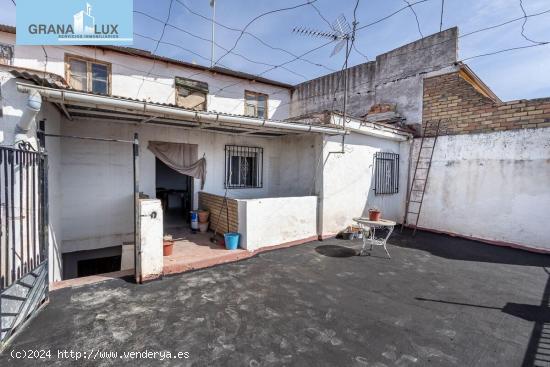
x=416 y=192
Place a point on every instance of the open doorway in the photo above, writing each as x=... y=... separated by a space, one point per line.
x=175 y=191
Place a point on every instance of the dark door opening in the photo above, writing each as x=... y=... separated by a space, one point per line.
x=98 y=266
x=175 y=192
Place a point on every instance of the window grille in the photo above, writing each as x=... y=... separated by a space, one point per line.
x=386 y=173
x=243 y=167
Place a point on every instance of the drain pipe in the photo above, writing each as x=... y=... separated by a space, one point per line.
x=33 y=106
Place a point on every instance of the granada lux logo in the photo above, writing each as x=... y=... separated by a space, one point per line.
x=83 y=26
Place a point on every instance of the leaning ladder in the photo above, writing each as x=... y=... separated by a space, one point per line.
x=416 y=192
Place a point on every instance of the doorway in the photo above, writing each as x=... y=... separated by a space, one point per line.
x=175 y=191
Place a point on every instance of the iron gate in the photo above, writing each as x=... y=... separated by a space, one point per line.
x=23 y=234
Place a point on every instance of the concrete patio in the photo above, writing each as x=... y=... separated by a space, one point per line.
x=439 y=301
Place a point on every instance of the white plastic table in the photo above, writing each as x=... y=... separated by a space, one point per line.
x=370 y=238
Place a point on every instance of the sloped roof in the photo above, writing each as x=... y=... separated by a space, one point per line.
x=146 y=54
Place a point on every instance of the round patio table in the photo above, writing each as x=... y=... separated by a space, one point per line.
x=369 y=227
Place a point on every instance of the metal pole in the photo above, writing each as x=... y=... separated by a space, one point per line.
x=213 y=4
x=345 y=93
x=137 y=239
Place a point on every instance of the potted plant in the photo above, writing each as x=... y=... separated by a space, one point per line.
x=374 y=214
x=167 y=245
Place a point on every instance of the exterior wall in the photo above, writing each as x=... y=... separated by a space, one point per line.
x=219 y=218
x=13 y=104
x=144 y=79
x=395 y=77
x=490 y=171
x=347 y=185
x=491 y=186
x=97 y=181
x=274 y=221
x=464 y=110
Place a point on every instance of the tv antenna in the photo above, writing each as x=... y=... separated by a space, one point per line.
x=342 y=33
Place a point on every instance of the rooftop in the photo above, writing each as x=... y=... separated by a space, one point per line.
x=146 y=54
x=439 y=301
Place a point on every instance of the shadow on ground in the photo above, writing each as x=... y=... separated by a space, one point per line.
x=439 y=301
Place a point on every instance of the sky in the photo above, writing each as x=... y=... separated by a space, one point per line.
x=519 y=74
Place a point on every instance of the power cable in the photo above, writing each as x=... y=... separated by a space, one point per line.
x=261 y=41
x=258 y=17
x=524 y=23
x=441 y=17
x=216 y=44
x=391 y=15
x=416 y=17
x=157 y=46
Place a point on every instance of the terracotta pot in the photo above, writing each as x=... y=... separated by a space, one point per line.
x=167 y=247
x=374 y=215
x=203 y=216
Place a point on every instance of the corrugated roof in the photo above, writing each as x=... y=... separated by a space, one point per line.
x=146 y=54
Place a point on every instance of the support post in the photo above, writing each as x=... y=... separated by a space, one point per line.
x=137 y=237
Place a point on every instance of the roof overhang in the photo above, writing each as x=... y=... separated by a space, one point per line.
x=80 y=105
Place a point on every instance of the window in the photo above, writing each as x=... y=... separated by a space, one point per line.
x=191 y=94
x=243 y=167
x=386 y=173
x=6 y=54
x=88 y=75
x=255 y=104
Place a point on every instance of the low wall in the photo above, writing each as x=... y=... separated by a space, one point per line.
x=490 y=186
x=218 y=212
x=273 y=221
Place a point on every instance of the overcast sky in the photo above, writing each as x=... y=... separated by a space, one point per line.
x=512 y=75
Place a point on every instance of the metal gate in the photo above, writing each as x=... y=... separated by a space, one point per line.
x=23 y=234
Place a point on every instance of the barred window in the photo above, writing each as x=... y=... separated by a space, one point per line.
x=386 y=173
x=243 y=167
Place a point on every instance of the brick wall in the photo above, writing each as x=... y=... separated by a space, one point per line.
x=464 y=109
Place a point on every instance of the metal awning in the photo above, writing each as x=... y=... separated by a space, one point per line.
x=81 y=105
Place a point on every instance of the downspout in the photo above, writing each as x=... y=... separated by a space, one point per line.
x=34 y=104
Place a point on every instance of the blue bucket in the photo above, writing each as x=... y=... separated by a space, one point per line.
x=232 y=240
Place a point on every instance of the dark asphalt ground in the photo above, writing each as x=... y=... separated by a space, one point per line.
x=440 y=301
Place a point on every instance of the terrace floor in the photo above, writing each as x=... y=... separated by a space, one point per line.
x=196 y=251
x=439 y=301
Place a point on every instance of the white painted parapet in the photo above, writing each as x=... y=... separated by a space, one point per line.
x=150 y=258
x=275 y=221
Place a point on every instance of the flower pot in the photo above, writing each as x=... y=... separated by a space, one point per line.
x=167 y=248
x=374 y=215
x=203 y=227
x=203 y=216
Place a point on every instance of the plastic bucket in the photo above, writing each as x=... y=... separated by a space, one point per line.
x=194 y=220
x=232 y=240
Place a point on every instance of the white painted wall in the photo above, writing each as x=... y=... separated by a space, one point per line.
x=142 y=78
x=492 y=186
x=274 y=221
x=97 y=178
x=13 y=104
x=347 y=186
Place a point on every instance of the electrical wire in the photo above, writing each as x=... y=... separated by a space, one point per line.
x=216 y=44
x=441 y=17
x=416 y=17
x=390 y=15
x=258 y=17
x=321 y=15
x=252 y=35
x=524 y=23
x=157 y=46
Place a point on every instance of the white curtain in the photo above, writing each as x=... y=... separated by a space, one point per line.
x=180 y=157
